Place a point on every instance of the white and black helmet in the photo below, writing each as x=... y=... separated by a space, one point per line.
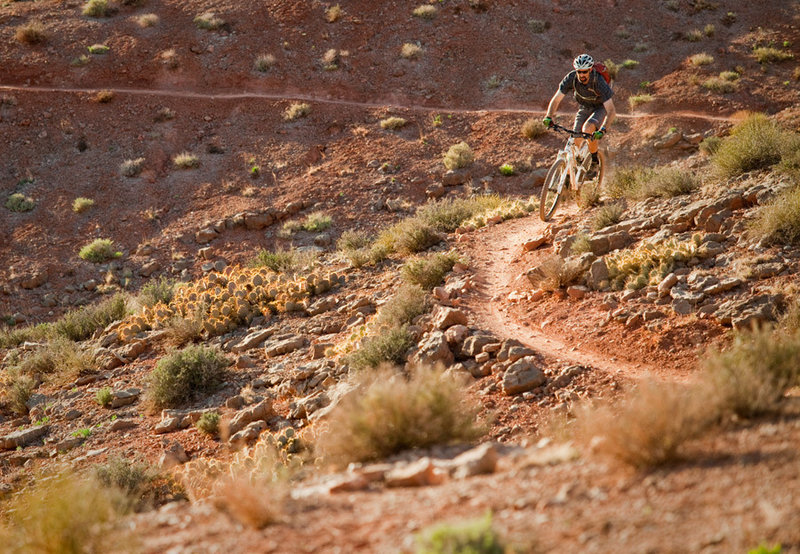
x=584 y=61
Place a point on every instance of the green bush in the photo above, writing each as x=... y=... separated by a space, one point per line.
x=607 y=215
x=140 y=483
x=637 y=100
x=157 y=290
x=428 y=271
x=701 y=59
x=18 y=202
x=285 y=261
x=80 y=324
x=209 y=423
x=104 y=397
x=187 y=374
x=409 y=302
x=391 y=413
x=19 y=390
x=97 y=8
x=98 y=49
x=407 y=237
x=56 y=356
x=99 y=251
x=391 y=346
x=769 y=54
x=208 y=21
x=638 y=183
x=755 y=143
x=80 y=204
x=470 y=537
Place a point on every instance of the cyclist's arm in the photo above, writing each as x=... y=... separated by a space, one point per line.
x=611 y=113
x=554 y=103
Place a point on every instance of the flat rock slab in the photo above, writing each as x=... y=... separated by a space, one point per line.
x=23 y=438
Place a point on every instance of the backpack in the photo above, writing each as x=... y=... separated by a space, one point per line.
x=601 y=68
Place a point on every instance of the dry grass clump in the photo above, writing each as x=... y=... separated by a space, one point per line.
x=104 y=96
x=778 y=222
x=334 y=14
x=285 y=261
x=555 y=273
x=186 y=160
x=147 y=20
x=411 y=51
x=391 y=346
x=393 y=123
x=157 y=290
x=636 y=100
x=358 y=248
x=131 y=168
x=694 y=35
x=99 y=251
x=648 y=428
x=533 y=128
x=701 y=59
x=720 y=85
x=81 y=323
x=169 y=58
x=458 y=156
x=472 y=536
x=607 y=215
x=409 y=302
x=63 y=513
x=59 y=356
x=296 y=111
x=638 y=183
x=407 y=237
x=140 y=483
x=17 y=390
x=208 y=21
x=769 y=54
x=81 y=204
x=185 y=375
x=390 y=413
x=98 y=8
x=31 y=33
x=425 y=11
x=18 y=202
x=751 y=377
x=264 y=63
x=428 y=271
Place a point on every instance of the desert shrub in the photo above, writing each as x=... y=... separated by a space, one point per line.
x=629 y=64
x=649 y=262
x=98 y=49
x=393 y=123
x=104 y=96
x=81 y=323
x=389 y=347
x=710 y=145
x=754 y=143
x=208 y=21
x=554 y=273
x=612 y=67
x=183 y=330
x=751 y=377
x=59 y=356
x=533 y=128
x=284 y=261
x=425 y=11
x=719 y=85
x=31 y=33
x=316 y=222
x=410 y=51
x=331 y=59
x=147 y=20
x=636 y=100
x=97 y=8
x=607 y=215
x=731 y=76
x=81 y=204
x=209 y=423
x=157 y=290
x=63 y=513
x=778 y=222
x=409 y=302
x=638 y=183
x=264 y=63
x=185 y=375
x=648 y=427
x=296 y=111
x=356 y=246
x=18 y=202
x=333 y=14
x=13 y=336
x=588 y=195
x=392 y=413
x=407 y=237
x=538 y=25
x=104 y=397
x=769 y=54
x=581 y=244
x=186 y=160
x=458 y=156
x=694 y=35
x=474 y=536
x=99 y=251
x=19 y=390
x=428 y=271
x=139 y=482
x=701 y=59
x=507 y=170
x=131 y=168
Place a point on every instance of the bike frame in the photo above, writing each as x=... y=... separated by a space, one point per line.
x=570 y=153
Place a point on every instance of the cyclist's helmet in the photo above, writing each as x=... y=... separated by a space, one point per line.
x=584 y=61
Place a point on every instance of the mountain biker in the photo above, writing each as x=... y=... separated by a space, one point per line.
x=594 y=96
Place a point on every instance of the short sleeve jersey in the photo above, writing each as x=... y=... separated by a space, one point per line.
x=593 y=94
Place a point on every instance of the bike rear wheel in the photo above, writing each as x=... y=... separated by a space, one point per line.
x=552 y=189
x=595 y=183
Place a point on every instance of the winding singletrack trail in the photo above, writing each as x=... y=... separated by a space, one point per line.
x=493 y=252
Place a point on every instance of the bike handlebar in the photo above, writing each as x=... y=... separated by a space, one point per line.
x=580 y=134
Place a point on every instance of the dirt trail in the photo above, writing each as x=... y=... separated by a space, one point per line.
x=493 y=255
x=290 y=95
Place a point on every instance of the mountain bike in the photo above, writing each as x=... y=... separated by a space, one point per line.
x=572 y=164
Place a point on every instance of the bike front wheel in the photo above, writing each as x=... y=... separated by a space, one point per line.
x=552 y=189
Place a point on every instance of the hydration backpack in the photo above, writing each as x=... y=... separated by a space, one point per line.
x=601 y=68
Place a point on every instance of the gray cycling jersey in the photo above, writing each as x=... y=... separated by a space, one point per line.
x=592 y=94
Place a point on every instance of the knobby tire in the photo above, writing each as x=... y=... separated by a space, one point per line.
x=550 y=194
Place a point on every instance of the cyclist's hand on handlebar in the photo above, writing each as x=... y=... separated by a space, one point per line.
x=597 y=135
x=548 y=122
